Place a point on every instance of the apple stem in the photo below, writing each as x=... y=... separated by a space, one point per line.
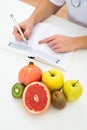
x=51 y=73
x=75 y=83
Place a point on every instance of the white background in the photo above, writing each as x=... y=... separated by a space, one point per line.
x=13 y=115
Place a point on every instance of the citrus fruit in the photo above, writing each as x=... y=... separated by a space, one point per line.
x=58 y=99
x=17 y=90
x=36 y=97
x=29 y=73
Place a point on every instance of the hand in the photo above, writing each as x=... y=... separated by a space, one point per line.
x=61 y=43
x=26 y=27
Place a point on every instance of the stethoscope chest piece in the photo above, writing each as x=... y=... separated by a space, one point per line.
x=75 y=3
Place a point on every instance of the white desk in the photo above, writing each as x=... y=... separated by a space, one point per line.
x=13 y=115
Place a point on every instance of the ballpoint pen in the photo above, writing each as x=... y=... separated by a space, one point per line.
x=18 y=27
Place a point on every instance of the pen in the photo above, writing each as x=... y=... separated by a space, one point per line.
x=18 y=27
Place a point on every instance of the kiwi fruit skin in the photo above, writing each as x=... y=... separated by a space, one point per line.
x=58 y=99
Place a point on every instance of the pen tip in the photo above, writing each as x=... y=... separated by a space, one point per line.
x=26 y=42
x=11 y=15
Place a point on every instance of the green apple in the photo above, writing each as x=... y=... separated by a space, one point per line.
x=53 y=79
x=72 y=90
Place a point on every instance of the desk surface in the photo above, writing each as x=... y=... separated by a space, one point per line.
x=13 y=115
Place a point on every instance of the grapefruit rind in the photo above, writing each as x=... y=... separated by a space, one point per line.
x=36 y=99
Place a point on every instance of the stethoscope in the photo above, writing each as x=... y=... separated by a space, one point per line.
x=76 y=3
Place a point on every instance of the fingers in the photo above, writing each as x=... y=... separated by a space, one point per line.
x=16 y=34
x=61 y=50
x=25 y=31
x=46 y=40
x=53 y=43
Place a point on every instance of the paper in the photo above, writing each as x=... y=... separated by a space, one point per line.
x=42 y=51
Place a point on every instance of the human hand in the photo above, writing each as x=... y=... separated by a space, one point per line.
x=61 y=43
x=26 y=26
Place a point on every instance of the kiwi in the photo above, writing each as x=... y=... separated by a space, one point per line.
x=58 y=99
x=17 y=90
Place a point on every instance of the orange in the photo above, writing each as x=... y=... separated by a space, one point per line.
x=36 y=98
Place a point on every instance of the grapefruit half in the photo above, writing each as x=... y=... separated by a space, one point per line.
x=36 y=97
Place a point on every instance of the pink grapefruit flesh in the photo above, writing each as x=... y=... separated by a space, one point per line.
x=36 y=97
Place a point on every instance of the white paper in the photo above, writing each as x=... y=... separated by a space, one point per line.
x=42 y=51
